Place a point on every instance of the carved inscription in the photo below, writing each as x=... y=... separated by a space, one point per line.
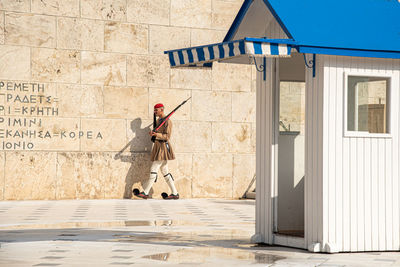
x=27 y=112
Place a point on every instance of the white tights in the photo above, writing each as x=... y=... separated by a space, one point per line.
x=153 y=176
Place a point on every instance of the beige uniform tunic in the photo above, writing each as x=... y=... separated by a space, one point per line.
x=160 y=151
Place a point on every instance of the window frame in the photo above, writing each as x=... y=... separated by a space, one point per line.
x=389 y=111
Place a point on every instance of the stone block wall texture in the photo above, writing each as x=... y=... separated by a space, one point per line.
x=78 y=81
x=292 y=106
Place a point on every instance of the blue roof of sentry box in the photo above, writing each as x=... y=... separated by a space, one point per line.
x=339 y=25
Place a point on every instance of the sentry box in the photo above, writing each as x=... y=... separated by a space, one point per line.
x=327 y=119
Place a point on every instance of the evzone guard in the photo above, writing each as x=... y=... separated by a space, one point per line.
x=161 y=153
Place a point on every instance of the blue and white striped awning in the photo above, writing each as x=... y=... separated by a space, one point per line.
x=201 y=55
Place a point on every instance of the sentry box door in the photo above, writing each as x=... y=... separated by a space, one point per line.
x=290 y=137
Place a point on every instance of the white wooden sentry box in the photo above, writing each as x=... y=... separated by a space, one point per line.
x=351 y=174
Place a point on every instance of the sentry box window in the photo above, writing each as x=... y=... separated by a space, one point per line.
x=368 y=106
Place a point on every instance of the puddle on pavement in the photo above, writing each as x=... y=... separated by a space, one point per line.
x=142 y=238
x=76 y=223
x=159 y=256
x=68 y=235
x=204 y=246
x=158 y=223
x=171 y=223
x=201 y=255
x=232 y=236
x=139 y=223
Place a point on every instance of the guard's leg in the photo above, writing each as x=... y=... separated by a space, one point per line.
x=153 y=176
x=168 y=177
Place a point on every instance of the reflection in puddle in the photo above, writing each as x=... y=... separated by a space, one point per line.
x=143 y=237
x=68 y=235
x=159 y=256
x=174 y=222
x=162 y=223
x=202 y=246
x=267 y=258
x=200 y=255
x=232 y=236
x=139 y=223
x=149 y=223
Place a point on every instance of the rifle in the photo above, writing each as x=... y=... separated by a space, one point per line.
x=164 y=120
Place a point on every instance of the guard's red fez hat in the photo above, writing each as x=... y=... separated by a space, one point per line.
x=159 y=105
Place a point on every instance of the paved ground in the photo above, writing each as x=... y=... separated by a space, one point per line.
x=203 y=232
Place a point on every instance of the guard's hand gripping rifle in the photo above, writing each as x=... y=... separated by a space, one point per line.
x=164 y=120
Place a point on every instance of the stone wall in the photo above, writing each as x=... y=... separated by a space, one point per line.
x=292 y=106
x=78 y=80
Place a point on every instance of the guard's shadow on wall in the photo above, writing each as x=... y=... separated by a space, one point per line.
x=136 y=153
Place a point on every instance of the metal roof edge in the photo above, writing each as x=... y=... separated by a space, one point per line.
x=274 y=41
x=348 y=52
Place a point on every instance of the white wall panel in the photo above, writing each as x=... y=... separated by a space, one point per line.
x=351 y=183
x=360 y=174
x=314 y=141
x=264 y=151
